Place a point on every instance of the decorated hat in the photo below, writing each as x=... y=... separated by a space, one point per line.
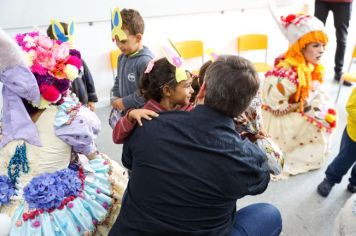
x=116 y=25
x=175 y=59
x=63 y=32
x=296 y=26
x=52 y=62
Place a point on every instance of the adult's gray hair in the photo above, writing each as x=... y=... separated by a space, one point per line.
x=231 y=83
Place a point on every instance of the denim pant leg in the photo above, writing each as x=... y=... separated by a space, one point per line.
x=260 y=219
x=343 y=161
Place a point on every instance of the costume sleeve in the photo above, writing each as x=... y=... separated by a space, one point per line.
x=279 y=84
x=89 y=82
x=135 y=100
x=123 y=129
x=78 y=128
x=351 y=105
x=22 y=82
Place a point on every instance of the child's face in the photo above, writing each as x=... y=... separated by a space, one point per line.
x=181 y=94
x=130 y=45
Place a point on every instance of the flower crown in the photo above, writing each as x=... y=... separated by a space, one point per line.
x=53 y=64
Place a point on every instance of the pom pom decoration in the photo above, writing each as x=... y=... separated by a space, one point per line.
x=50 y=93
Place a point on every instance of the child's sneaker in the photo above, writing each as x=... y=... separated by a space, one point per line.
x=351 y=188
x=325 y=187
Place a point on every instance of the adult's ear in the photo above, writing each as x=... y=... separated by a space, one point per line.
x=201 y=94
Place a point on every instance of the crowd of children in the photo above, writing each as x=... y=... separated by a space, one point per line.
x=55 y=182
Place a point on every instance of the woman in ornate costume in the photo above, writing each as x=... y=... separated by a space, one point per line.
x=45 y=189
x=297 y=114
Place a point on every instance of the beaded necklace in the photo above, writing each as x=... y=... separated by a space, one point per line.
x=17 y=163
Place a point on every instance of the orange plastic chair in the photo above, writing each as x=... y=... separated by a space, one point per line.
x=252 y=42
x=190 y=49
x=348 y=76
x=114 y=55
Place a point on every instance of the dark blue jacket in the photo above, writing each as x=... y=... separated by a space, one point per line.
x=188 y=170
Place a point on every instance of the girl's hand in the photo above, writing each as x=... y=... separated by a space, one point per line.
x=138 y=114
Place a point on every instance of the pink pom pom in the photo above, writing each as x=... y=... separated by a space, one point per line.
x=50 y=93
x=75 y=61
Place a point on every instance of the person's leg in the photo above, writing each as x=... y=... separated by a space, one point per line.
x=321 y=11
x=342 y=16
x=260 y=219
x=339 y=166
x=352 y=185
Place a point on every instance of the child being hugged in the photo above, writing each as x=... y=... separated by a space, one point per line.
x=167 y=86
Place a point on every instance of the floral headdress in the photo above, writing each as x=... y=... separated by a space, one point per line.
x=52 y=62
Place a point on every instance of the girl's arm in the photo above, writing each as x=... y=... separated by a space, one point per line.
x=127 y=123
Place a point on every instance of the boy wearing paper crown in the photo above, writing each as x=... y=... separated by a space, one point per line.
x=297 y=114
x=127 y=31
x=166 y=84
x=346 y=157
x=83 y=86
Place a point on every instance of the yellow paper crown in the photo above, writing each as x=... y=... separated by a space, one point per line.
x=116 y=25
x=176 y=60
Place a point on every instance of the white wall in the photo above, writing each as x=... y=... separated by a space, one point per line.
x=218 y=30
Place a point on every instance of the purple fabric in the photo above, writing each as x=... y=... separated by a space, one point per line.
x=19 y=83
x=80 y=134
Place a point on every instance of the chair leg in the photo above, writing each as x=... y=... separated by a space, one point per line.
x=338 y=92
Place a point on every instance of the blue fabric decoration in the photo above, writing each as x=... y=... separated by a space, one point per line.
x=6 y=190
x=17 y=163
x=48 y=191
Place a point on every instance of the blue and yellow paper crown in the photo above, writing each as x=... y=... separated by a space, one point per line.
x=59 y=32
x=116 y=25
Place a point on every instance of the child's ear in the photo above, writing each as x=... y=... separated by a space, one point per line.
x=139 y=37
x=166 y=90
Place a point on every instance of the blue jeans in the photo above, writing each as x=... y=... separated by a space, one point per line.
x=343 y=161
x=260 y=219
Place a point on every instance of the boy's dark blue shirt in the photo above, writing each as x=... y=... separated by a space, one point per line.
x=188 y=170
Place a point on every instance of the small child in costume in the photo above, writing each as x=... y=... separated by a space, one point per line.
x=41 y=191
x=249 y=125
x=166 y=85
x=83 y=86
x=127 y=31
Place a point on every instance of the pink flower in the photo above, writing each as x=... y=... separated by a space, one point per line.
x=45 y=42
x=177 y=61
x=61 y=52
x=45 y=58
